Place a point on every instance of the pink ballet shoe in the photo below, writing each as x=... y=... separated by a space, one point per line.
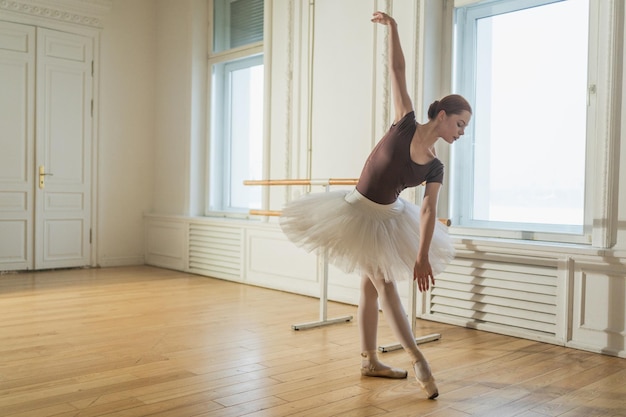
x=427 y=385
x=372 y=367
x=430 y=387
x=387 y=372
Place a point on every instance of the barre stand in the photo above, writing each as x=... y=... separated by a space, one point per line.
x=322 y=261
x=413 y=319
x=323 y=267
x=413 y=316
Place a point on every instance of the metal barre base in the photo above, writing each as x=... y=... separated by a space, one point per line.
x=418 y=340
x=320 y=323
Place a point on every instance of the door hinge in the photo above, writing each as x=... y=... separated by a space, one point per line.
x=92 y=68
x=90 y=234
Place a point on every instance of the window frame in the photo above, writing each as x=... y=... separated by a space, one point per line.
x=223 y=154
x=216 y=197
x=602 y=162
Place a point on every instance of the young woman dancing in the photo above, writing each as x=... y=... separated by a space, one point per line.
x=375 y=232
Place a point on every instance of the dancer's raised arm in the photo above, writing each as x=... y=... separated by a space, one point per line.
x=397 y=67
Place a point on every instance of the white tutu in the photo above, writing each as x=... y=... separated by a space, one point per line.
x=363 y=236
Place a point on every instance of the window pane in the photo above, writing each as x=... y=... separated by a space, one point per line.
x=246 y=134
x=246 y=24
x=237 y=89
x=237 y=23
x=530 y=121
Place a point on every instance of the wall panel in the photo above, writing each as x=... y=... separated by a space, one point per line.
x=599 y=309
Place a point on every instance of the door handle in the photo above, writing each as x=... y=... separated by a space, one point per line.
x=42 y=176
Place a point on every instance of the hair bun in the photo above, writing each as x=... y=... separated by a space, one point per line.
x=451 y=104
x=433 y=110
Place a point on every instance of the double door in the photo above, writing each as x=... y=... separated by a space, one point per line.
x=46 y=106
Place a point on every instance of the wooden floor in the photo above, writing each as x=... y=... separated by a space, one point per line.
x=144 y=341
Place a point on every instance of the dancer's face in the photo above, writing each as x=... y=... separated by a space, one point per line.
x=452 y=126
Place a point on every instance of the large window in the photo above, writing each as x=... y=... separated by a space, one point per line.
x=236 y=122
x=521 y=169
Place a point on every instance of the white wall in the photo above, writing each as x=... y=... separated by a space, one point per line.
x=153 y=69
x=173 y=107
x=125 y=154
x=148 y=133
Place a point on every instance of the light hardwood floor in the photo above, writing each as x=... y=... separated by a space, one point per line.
x=144 y=341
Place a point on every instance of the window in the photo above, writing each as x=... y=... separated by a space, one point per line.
x=236 y=122
x=521 y=170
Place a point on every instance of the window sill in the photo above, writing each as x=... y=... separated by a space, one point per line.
x=551 y=250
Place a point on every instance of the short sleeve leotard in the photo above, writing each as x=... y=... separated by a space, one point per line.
x=389 y=169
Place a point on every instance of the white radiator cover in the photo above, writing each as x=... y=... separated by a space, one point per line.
x=510 y=297
x=216 y=250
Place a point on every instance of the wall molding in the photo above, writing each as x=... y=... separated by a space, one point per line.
x=289 y=96
x=608 y=92
x=80 y=12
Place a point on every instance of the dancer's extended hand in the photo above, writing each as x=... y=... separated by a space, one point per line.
x=423 y=274
x=382 y=18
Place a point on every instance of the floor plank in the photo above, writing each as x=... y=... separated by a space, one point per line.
x=139 y=341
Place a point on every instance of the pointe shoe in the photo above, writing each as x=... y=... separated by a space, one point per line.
x=372 y=367
x=427 y=385
x=386 y=372
x=430 y=387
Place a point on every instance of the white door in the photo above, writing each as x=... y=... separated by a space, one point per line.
x=56 y=189
x=63 y=150
x=17 y=145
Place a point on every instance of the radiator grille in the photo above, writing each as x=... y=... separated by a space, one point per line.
x=476 y=293
x=215 y=250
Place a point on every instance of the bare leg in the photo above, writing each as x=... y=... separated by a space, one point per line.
x=368 y=327
x=368 y=315
x=399 y=323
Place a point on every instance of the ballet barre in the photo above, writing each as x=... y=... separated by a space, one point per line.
x=276 y=213
x=412 y=315
x=324 y=182
x=322 y=261
x=323 y=264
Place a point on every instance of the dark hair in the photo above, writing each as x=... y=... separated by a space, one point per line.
x=452 y=104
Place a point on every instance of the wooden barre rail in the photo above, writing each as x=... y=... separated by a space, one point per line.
x=323 y=262
x=265 y=212
x=329 y=181
x=254 y=212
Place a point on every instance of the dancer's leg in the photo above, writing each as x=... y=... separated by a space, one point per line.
x=396 y=317
x=367 y=315
x=368 y=327
x=399 y=323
